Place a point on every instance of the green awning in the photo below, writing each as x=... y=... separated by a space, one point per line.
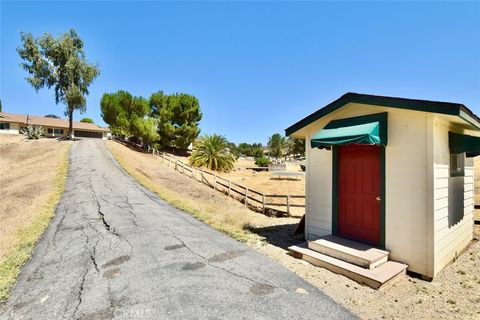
x=368 y=133
x=460 y=143
x=368 y=129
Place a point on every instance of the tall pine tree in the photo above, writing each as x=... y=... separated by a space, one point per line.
x=178 y=117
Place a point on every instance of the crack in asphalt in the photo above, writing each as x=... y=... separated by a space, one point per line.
x=80 y=292
x=102 y=217
x=208 y=262
x=60 y=224
x=156 y=200
x=93 y=254
x=106 y=250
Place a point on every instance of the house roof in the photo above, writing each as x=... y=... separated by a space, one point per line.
x=448 y=108
x=48 y=122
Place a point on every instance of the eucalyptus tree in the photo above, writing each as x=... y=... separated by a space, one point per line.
x=59 y=63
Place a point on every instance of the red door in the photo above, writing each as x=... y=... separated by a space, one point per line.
x=359 y=193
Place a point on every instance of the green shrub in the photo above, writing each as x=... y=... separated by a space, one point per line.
x=87 y=120
x=33 y=132
x=262 y=162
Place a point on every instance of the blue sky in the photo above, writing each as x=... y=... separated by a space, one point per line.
x=256 y=67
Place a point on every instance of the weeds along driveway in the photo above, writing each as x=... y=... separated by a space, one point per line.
x=115 y=250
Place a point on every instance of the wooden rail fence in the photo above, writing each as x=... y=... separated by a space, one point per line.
x=268 y=204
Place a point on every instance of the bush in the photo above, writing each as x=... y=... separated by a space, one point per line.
x=33 y=132
x=87 y=120
x=262 y=162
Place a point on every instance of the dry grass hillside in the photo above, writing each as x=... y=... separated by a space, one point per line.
x=32 y=174
x=266 y=182
x=269 y=183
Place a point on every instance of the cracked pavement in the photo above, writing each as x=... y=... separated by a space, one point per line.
x=114 y=250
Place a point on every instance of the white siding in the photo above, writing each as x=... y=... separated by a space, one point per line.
x=320 y=193
x=452 y=234
x=14 y=129
x=406 y=183
x=407 y=188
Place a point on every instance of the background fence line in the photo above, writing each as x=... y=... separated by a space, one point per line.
x=252 y=199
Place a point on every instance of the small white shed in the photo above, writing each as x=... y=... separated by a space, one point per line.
x=392 y=172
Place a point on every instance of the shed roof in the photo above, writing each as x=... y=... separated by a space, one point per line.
x=448 y=108
x=48 y=122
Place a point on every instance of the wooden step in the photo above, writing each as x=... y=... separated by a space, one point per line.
x=360 y=254
x=381 y=276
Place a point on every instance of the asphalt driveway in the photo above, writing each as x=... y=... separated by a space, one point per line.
x=115 y=250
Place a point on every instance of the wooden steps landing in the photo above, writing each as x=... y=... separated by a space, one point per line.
x=359 y=262
x=357 y=253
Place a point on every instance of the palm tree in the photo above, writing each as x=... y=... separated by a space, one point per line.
x=212 y=152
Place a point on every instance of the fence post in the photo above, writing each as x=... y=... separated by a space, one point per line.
x=288 y=204
x=263 y=202
x=214 y=181
x=229 y=187
x=201 y=173
x=183 y=168
x=246 y=197
x=176 y=165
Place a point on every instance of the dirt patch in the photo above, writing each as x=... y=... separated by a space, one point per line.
x=225 y=256
x=112 y=273
x=27 y=174
x=454 y=294
x=116 y=261
x=193 y=266
x=261 y=289
x=174 y=247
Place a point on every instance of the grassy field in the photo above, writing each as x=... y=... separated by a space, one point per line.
x=33 y=175
x=455 y=293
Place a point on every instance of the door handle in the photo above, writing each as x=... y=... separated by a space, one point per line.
x=379 y=198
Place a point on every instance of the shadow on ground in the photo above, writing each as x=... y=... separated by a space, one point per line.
x=278 y=235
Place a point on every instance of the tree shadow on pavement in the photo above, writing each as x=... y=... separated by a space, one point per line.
x=278 y=235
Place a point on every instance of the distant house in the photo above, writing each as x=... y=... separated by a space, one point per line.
x=54 y=127
x=394 y=173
